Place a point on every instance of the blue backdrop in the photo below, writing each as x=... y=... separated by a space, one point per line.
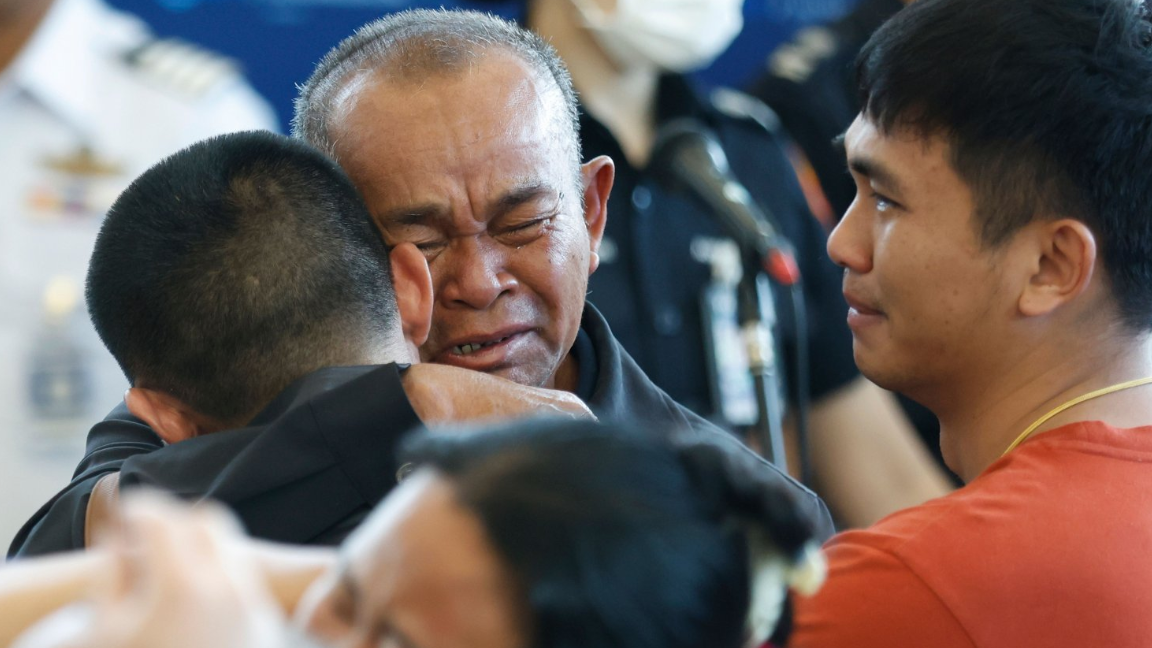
x=279 y=41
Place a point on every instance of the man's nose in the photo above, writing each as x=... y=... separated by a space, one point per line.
x=475 y=273
x=850 y=243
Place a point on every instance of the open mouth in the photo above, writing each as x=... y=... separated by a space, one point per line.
x=467 y=349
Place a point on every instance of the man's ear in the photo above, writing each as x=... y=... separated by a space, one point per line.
x=167 y=415
x=597 y=177
x=413 y=282
x=1064 y=266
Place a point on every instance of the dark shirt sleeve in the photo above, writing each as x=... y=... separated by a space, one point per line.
x=307 y=476
x=59 y=524
x=807 y=501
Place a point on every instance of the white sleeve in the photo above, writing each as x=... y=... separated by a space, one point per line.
x=235 y=106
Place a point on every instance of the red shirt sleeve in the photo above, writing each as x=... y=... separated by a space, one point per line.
x=871 y=599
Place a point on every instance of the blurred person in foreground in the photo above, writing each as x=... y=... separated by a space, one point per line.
x=545 y=534
x=998 y=268
x=89 y=99
x=630 y=61
x=267 y=333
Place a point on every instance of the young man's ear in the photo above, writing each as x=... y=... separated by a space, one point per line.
x=413 y=287
x=1065 y=263
x=167 y=415
x=597 y=177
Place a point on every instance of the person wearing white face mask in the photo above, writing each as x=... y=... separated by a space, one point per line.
x=629 y=60
x=617 y=50
x=676 y=36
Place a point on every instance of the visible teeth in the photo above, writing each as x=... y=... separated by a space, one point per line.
x=465 y=349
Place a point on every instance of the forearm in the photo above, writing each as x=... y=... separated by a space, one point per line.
x=290 y=570
x=867 y=459
x=34 y=588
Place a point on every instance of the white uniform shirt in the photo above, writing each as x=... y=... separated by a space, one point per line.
x=91 y=102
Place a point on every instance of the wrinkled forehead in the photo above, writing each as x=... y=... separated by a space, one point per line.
x=497 y=88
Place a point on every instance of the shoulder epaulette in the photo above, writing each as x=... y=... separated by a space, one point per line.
x=739 y=105
x=797 y=59
x=179 y=66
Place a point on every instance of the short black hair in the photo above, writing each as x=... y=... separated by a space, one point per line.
x=236 y=266
x=1047 y=107
x=619 y=535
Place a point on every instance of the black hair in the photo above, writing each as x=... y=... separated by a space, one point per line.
x=236 y=266
x=620 y=537
x=1047 y=107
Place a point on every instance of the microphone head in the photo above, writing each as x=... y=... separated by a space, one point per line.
x=687 y=158
x=684 y=147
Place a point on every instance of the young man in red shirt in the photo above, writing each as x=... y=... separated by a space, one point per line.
x=998 y=269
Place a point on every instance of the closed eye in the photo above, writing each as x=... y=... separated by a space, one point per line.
x=523 y=233
x=530 y=224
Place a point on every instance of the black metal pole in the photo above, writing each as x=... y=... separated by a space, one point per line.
x=757 y=316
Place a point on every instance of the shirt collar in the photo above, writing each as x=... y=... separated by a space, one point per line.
x=311 y=385
x=587 y=366
x=675 y=98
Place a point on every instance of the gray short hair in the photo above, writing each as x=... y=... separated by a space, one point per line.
x=418 y=42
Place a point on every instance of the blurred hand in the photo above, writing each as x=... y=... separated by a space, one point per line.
x=442 y=394
x=178 y=579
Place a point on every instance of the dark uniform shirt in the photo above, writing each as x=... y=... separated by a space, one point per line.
x=307 y=469
x=810 y=82
x=649 y=284
x=312 y=465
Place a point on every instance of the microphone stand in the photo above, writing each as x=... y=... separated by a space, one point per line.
x=757 y=316
x=688 y=157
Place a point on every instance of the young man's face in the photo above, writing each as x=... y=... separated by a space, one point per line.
x=928 y=305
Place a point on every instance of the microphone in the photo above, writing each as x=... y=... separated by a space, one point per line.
x=687 y=158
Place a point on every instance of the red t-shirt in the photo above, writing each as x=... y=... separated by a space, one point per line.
x=1050 y=546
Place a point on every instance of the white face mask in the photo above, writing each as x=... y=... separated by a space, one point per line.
x=673 y=35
